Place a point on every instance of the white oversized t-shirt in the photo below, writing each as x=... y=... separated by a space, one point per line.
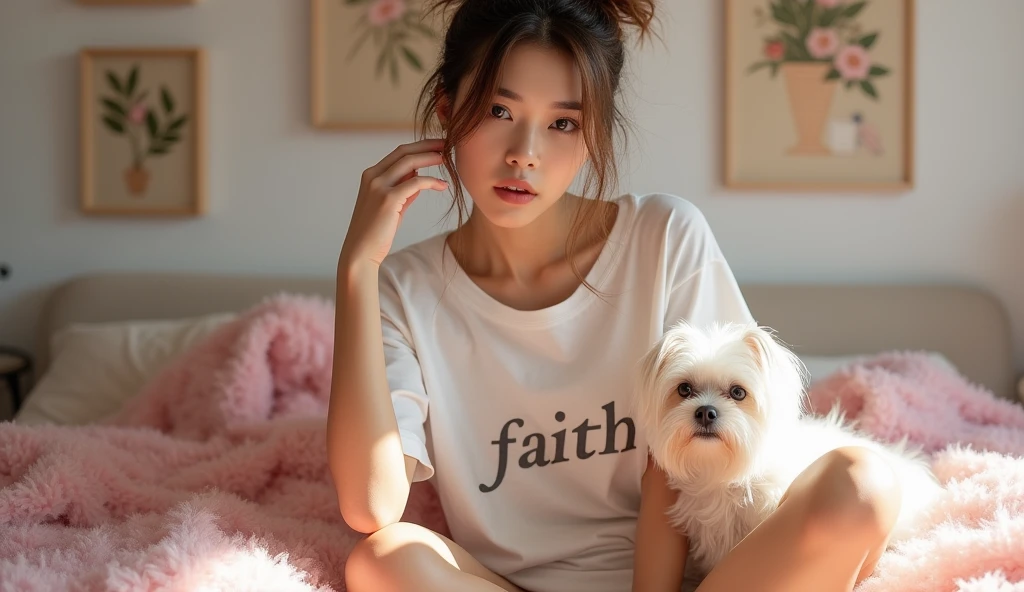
x=521 y=418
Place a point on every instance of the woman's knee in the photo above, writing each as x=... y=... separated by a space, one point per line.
x=855 y=496
x=388 y=559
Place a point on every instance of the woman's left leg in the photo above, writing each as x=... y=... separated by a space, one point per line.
x=827 y=534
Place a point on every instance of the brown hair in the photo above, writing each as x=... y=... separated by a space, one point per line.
x=480 y=36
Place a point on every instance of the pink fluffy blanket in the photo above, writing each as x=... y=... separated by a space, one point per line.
x=215 y=476
x=974 y=540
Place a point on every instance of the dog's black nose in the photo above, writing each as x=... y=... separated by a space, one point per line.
x=706 y=415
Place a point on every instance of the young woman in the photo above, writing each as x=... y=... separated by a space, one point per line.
x=497 y=359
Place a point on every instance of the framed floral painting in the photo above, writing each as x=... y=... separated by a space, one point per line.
x=369 y=60
x=819 y=95
x=143 y=131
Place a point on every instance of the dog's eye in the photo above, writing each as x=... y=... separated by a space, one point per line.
x=738 y=393
x=684 y=389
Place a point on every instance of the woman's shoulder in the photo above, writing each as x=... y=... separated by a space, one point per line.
x=661 y=213
x=412 y=273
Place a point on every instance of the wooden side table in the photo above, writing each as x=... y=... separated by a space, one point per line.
x=15 y=367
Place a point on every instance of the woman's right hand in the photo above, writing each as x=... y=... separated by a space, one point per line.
x=386 y=191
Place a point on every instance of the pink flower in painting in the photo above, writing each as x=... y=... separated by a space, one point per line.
x=384 y=12
x=853 y=62
x=828 y=3
x=822 y=43
x=774 y=50
x=137 y=114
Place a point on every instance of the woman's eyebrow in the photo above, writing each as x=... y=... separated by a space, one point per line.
x=567 y=105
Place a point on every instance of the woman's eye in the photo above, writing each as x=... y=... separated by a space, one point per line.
x=738 y=393
x=499 y=112
x=566 y=125
x=684 y=389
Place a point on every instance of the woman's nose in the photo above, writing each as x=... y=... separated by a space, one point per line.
x=524 y=151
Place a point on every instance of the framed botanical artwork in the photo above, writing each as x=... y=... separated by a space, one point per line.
x=369 y=61
x=143 y=131
x=819 y=95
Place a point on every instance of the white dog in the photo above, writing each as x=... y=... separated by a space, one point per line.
x=724 y=411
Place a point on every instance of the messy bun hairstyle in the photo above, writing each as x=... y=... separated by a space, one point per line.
x=479 y=38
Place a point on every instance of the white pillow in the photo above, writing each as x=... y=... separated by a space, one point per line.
x=823 y=366
x=95 y=367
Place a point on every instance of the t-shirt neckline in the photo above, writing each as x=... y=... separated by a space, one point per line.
x=474 y=295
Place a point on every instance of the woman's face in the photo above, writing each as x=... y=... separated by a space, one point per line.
x=529 y=148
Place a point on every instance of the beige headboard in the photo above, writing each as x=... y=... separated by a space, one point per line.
x=968 y=325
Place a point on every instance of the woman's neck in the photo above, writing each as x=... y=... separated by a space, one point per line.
x=528 y=268
x=516 y=254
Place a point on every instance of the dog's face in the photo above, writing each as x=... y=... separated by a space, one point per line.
x=710 y=399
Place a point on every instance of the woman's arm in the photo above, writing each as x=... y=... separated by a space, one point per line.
x=660 y=554
x=370 y=471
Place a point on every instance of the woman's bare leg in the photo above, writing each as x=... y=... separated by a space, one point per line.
x=827 y=534
x=405 y=556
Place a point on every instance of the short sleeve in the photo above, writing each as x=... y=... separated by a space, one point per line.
x=405 y=378
x=703 y=290
x=708 y=295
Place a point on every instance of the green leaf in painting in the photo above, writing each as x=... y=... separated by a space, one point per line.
x=113 y=125
x=796 y=11
x=809 y=16
x=878 y=71
x=794 y=49
x=852 y=10
x=757 y=66
x=177 y=123
x=359 y=43
x=114 y=106
x=412 y=59
x=383 y=59
x=114 y=82
x=782 y=15
x=869 y=88
x=829 y=16
x=151 y=124
x=166 y=99
x=833 y=74
x=868 y=40
x=133 y=79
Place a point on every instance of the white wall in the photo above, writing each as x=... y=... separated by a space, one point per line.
x=281 y=192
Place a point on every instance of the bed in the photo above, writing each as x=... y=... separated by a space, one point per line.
x=97 y=503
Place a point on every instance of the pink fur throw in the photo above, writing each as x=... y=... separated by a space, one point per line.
x=214 y=478
x=974 y=539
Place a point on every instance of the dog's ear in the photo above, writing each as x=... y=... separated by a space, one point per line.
x=761 y=345
x=773 y=355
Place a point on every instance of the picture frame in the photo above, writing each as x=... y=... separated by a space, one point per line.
x=143 y=131
x=369 y=60
x=819 y=95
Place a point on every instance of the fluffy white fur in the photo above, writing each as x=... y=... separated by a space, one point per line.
x=732 y=473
